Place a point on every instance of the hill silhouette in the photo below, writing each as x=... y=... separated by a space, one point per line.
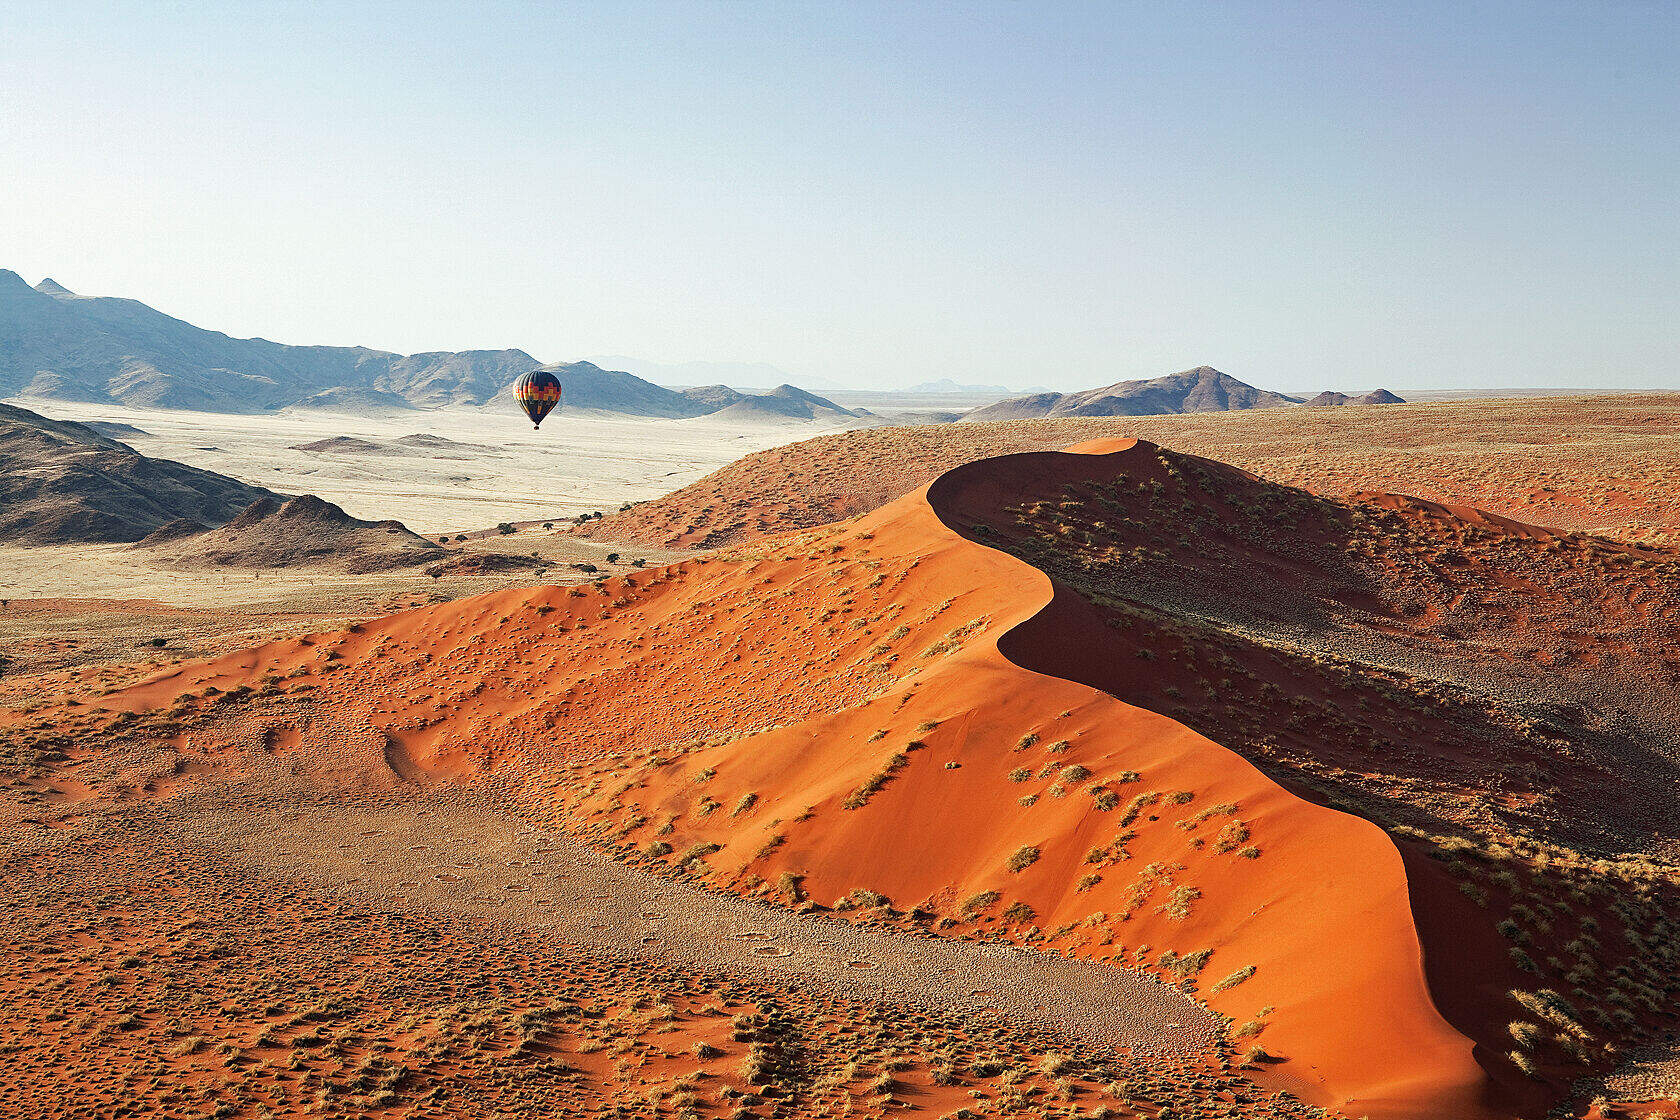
x=785 y=402
x=352 y=401
x=62 y=482
x=305 y=530
x=589 y=387
x=1203 y=389
x=1329 y=399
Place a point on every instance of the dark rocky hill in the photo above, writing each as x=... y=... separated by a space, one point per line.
x=1328 y=399
x=1203 y=389
x=63 y=483
x=303 y=530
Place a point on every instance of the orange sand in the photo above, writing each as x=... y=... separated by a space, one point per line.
x=776 y=669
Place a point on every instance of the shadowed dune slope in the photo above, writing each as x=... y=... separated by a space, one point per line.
x=1476 y=684
x=830 y=717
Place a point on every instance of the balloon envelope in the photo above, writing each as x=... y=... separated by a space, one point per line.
x=537 y=393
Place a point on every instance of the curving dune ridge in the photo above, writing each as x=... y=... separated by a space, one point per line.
x=889 y=717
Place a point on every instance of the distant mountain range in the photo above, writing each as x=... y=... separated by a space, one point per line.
x=946 y=385
x=588 y=386
x=59 y=345
x=56 y=344
x=741 y=375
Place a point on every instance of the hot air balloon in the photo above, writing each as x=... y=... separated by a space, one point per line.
x=537 y=393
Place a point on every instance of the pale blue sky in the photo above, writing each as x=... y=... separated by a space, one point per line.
x=1305 y=195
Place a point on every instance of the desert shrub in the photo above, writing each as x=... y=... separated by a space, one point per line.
x=1136 y=806
x=759 y=1066
x=864 y=899
x=698 y=854
x=860 y=797
x=1553 y=1008
x=1187 y=965
x=1024 y=857
x=1233 y=836
x=792 y=885
x=1178 y=906
x=1234 y=979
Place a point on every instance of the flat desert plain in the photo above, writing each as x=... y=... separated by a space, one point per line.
x=1165 y=767
x=473 y=467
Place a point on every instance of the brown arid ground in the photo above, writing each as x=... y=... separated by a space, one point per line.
x=80 y=616
x=1608 y=465
x=1117 y=783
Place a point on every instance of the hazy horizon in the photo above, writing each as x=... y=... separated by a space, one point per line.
x=1304 y=196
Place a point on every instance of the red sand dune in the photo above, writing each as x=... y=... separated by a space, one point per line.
x=888 y=707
